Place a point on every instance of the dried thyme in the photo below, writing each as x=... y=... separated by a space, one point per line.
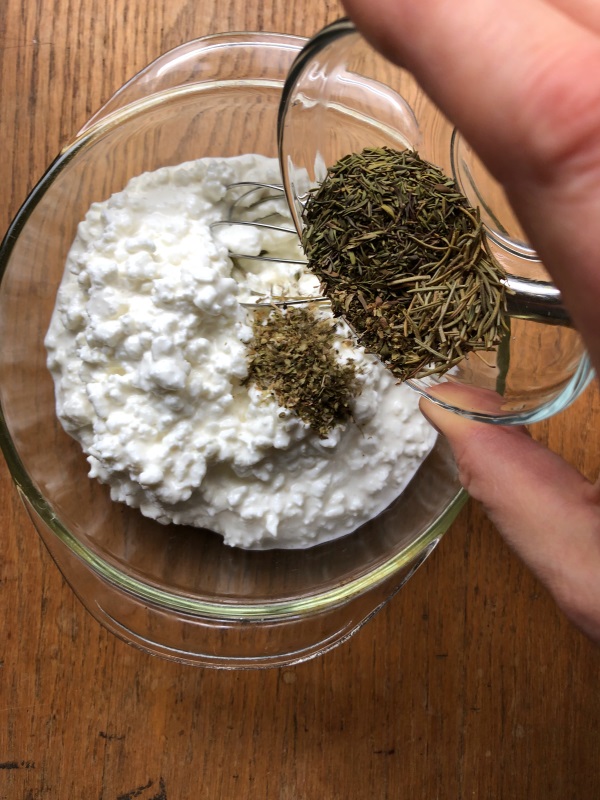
x=402 y=256
x=291 y=356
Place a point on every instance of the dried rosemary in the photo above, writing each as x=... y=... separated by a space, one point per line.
x=402 y=256
x=292 y=357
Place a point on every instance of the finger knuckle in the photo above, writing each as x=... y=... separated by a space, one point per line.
x=558 y=123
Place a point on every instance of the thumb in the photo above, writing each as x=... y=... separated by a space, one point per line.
x=547 y=512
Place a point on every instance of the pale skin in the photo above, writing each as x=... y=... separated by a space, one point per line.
x=521 y=79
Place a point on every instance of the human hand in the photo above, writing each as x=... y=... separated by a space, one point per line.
x=520 y=80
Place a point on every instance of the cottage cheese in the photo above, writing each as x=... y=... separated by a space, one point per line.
x=147 y=347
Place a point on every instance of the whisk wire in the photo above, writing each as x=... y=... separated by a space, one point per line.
x=240 y=205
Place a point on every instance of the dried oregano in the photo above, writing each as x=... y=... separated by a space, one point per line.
x=403 y=257
x=292 y=357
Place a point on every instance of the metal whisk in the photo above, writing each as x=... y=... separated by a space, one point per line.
x=264 y=206
x=251 y=200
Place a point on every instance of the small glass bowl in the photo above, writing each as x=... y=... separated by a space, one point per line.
x=340 y=97
x=175 y=591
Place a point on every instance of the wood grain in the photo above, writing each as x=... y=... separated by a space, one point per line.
x=470 y=684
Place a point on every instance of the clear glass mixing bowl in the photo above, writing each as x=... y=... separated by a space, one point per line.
x=175 y=591
x=340 y=97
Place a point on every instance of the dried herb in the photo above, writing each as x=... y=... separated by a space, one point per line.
x=402 y=256
x=292 y=357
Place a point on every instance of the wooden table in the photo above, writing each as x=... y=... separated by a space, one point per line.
x=470 y=684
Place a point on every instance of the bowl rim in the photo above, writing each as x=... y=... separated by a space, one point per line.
x=204 y=43
x=35 y=501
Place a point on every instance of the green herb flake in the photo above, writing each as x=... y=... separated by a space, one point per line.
x=292 y=357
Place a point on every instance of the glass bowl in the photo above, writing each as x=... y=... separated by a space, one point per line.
x=340 y=97
x=175 y=591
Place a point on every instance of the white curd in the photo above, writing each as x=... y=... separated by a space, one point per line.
x=147 y=347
